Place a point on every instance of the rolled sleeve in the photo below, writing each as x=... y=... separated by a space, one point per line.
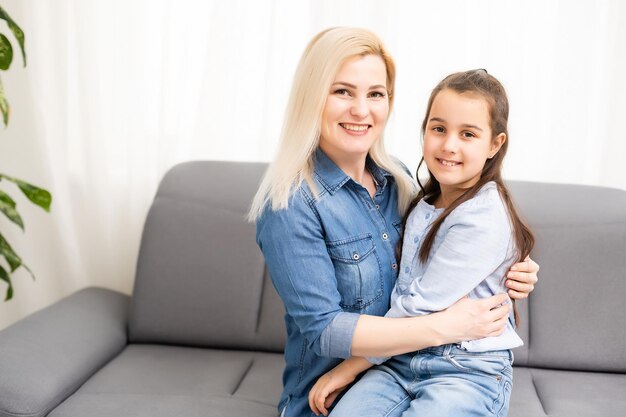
x=292 y=242
x=336 y=339
x=377 y=361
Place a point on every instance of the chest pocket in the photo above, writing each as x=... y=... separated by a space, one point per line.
x=358 y=271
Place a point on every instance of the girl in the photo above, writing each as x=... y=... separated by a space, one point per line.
x=461 y=235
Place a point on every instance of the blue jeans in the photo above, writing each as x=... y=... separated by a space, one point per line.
x=439 y=381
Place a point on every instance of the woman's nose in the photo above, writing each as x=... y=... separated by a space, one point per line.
x=359 y=108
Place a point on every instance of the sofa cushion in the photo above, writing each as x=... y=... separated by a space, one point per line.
x=545 y=392
x=201 y=279
x=160 y=381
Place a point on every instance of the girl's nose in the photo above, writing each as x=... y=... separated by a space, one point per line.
x=449 y=144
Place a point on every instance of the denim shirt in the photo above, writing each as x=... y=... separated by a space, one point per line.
x=331 y=258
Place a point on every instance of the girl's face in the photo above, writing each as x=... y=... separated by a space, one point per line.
x=356 y=108
x=458 y=140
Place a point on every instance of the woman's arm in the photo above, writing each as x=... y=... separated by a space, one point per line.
x=464 y=320
x=522 y=278
x=401 y=335
x=294 y=247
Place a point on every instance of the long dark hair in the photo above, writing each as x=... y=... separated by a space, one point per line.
x=488 y=87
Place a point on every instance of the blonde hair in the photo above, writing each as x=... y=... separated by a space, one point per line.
x=300 y=136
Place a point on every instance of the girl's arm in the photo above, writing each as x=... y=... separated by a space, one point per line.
x=330 y=385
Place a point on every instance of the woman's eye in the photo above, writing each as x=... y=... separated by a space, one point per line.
x=377 y=94
x=342 y=92
x=438 y=129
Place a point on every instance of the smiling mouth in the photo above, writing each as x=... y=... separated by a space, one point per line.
x=447 y=163
x=355 y=128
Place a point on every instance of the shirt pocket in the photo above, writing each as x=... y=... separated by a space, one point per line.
x=358 y=271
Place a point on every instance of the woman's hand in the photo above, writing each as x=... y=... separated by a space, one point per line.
x=522 y=278
x=470 y=319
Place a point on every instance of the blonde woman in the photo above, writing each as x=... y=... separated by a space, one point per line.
x=329 y=213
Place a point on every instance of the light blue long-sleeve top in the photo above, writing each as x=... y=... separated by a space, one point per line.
x=471 y=254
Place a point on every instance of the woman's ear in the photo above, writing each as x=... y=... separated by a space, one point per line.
x=496 y=144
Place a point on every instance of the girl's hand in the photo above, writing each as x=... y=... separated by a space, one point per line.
x=470 y=319
x=522 y=279
x=326 y=389
x=333 y=382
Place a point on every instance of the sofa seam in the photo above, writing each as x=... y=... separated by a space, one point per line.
x=243 y=377
x=264 y=277
x=532 y=379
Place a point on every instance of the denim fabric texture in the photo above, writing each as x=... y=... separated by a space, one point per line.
x=444 y=381
x=331 y=258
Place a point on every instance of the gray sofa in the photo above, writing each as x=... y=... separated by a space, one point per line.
x=203 y=332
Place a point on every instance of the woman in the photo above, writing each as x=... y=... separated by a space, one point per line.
x=329 y=213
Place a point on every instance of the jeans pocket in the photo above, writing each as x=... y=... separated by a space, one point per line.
x=493 y=373
x=358 y=271
x=501 y=405
x=492 y=365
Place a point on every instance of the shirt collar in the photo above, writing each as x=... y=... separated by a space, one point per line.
x=333 y=178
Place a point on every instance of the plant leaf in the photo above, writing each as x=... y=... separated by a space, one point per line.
x=17 y=32
x=36 y=195
x=29 y=271
x=7 y=199
x=6 y=53
x=4 y=106
x=7 y=206
x=4 y=276
x=12 y=258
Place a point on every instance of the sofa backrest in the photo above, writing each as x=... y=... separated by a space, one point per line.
x=201 y=279
x=576 y=317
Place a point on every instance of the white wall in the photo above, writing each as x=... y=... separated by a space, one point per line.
x=117 y=92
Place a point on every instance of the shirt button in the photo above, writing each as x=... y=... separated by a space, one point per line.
x=377 y=206
x=355 y=256
x=427 y=216
x=416 y=239
x=407 y=269
x=385 y=236
x=394 y=266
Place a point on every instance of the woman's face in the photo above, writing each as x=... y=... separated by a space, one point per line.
x=356 y=108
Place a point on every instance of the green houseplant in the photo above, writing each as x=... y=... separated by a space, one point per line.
x=37 y=195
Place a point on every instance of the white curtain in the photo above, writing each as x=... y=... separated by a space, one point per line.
x=117 y=92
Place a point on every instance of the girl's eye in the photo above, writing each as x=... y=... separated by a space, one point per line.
x=377 y=94
x=439 y=129
x=342 y=92
x=468 y=135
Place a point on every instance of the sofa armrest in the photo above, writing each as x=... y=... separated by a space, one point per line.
x=47 y=356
